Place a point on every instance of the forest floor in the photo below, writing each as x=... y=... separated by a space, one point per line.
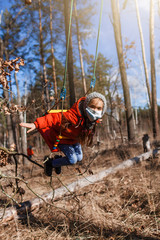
x=124 y=205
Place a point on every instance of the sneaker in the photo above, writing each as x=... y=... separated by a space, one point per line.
x=48 y=166
x=57 y=169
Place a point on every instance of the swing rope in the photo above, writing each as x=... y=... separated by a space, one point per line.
x=63 y=90
x=93 y=81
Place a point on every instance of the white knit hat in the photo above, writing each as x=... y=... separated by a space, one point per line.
x=96 y=95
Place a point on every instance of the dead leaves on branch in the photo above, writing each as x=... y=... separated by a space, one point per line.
x=12 y=108
x=127 y=48
x=28 y=2
x=4 y=158
x=5 y=154
x=8 y=66
x=5 y=68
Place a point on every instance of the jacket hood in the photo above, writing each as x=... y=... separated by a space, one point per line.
x=75 y=112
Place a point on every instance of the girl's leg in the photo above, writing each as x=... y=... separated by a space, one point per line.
x=78 y=150
x=58 y=162
x=73 y=155
x=69 y=151
x=69 y=159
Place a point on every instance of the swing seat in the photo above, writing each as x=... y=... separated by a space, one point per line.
x=57 y=110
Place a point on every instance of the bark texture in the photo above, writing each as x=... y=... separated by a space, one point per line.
x=70 y=53
x=52 y=51
x=143 y=54
x=153 y=74
x=80 y=51
x=119 y=46
x=45 y=81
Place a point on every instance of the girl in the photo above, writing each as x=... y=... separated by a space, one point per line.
x=76 y=126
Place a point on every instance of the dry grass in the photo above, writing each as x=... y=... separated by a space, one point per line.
x=125 y=205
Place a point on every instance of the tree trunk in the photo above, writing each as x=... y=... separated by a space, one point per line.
x=153 y=74
x=80 y=51
x=21 y=118
x=118 y=39
x=25 y=114
x=144 y=83
x=52 y=53
x=10 y=136
x=45 y=81
x=70 y=53
x=143 y=54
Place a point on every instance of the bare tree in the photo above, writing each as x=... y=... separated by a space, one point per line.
x=21 y=118
x=118 y=39
x=80 y=50
x=153 y=74
x=45 y=81
x=143 y=53
x=52 y=51
x=70 y=53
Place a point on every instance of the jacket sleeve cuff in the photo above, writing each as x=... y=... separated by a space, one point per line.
x=36 y=124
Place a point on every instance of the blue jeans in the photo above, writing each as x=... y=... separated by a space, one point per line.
x=73 y=154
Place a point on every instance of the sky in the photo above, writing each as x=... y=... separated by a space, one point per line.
x=135 y=73
x=130 y=31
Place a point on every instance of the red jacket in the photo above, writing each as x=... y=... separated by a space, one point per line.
x=50 y=124
x=30 y=152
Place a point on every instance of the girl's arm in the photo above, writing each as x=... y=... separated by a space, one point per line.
x=48 y=120
x=31 y=126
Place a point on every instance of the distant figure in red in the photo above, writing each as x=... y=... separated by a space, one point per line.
x=30 y=152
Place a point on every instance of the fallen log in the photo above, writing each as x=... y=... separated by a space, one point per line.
x=29 y=206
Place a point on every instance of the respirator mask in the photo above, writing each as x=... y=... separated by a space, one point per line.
x=93 y=115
